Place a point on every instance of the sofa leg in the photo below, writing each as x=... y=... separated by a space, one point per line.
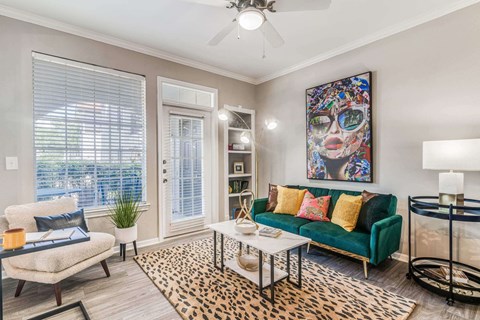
x=365 y=269
x=20 y=285
x=308 y=247
x=105 y=267
x=58 y=293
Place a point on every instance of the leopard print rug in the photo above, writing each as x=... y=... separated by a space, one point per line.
x=186 y=276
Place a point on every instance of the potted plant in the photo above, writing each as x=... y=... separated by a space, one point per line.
x=124 y=215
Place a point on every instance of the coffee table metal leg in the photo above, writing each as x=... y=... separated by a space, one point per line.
x=215 y=263
x=272 y=279
x=288 y=265
x=215 y=249
x=221 y=252
x=260 y=272
x=300 y=267
x=298 y=284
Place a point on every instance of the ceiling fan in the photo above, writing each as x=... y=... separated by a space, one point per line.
x=251 y=15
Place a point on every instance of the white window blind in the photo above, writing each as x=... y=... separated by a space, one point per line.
x=185 y=188
x=89 y=131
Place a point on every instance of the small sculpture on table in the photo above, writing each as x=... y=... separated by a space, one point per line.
x=246 y=225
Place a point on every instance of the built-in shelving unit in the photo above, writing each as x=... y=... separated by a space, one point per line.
x=241 y=121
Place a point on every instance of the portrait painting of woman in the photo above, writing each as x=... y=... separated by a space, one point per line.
x=339 y=140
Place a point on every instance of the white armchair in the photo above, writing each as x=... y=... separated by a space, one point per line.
x=54 y=265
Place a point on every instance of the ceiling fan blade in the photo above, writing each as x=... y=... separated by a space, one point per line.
x=272 y=35
x=301 y=5
x=223 y=33
x=214 y=3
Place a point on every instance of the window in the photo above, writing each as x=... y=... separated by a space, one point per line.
x=89 y=131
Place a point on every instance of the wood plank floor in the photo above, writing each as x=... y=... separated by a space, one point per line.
x=129 y=294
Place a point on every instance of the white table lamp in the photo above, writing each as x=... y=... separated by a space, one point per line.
x=461 y=155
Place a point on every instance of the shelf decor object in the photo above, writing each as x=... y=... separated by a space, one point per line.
x=449 y=155
x=441 y=275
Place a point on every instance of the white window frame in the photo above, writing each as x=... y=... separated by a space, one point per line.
x=103 y=210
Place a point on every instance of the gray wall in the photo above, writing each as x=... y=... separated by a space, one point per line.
x=426 y=86
x=18 y=40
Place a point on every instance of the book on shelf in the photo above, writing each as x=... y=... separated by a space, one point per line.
x=49 y=235
x=458 y=275
x=270 y=232
x=238 y=186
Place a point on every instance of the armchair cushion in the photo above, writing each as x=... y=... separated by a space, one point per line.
x=62 y=221
x=59 y=259
x=22 y=216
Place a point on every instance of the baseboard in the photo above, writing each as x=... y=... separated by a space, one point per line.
x=140 y=244
x=400 y=257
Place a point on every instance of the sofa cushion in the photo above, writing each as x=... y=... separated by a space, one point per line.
x=22 y=216
x=59 y=259
x=282 y=221
x=335 y=194
x=346 y=211
x=335 y=236
x=314 y=208
x=373 y=210
x=289 y=200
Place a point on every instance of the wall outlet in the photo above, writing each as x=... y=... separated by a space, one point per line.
x=11 y=163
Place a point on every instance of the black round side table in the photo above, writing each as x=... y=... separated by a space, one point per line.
x=426 y=271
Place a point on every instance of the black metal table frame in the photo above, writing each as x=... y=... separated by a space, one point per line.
x=261 y=287
x=35 y=247
x=422 y=207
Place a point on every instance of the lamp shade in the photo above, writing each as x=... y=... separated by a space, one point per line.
x=462 y=155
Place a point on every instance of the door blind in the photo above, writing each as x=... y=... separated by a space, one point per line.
x=89 y=131
x=185 y=187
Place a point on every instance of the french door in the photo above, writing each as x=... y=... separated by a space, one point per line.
x=186 y=167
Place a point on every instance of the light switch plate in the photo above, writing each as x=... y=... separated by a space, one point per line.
x=11 y=163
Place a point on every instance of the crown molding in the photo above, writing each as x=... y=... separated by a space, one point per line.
x=411 y=23
x=86 y=33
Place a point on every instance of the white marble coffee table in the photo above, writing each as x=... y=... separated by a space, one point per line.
x=265 y=245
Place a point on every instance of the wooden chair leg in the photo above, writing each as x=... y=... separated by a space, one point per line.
x=105 y=267
x=58 y=293
x=20 y=285
x=135 y=247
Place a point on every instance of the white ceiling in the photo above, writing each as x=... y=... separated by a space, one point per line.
x=176 y=28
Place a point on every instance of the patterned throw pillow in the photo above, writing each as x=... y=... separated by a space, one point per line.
x=289 y=200
x=314 y=208
x=346 y=211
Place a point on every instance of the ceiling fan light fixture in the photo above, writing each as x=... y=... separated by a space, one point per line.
x=251 y=19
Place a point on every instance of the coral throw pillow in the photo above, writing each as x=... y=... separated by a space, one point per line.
x=346 y=211
x=289 y=200
x=314 y=208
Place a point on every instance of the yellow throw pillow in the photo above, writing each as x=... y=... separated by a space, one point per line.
x=289 y=200
x=346 y=212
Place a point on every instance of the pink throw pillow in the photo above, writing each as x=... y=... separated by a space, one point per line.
x=314 y=208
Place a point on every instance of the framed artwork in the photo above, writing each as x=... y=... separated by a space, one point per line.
x=339 y=130
x=238 y=168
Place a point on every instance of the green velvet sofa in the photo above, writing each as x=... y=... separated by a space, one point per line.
x=372 y=247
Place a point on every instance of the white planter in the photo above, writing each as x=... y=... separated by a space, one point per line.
x=126 y=235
